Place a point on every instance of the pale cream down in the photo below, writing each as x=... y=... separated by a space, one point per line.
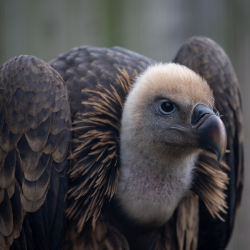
x=153 y=177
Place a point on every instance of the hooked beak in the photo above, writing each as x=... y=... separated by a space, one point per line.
x=210 y=130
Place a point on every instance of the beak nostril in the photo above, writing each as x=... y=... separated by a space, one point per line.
x=199 y=111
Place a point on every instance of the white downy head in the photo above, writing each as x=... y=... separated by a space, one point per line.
x=156 y=160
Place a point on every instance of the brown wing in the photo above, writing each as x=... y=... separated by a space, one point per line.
x=34 y=136
x=206 y=58
x=96 y=96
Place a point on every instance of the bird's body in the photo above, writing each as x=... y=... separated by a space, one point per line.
x=142 y=173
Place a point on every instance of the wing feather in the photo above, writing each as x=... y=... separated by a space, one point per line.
x=209 y=60
x=34 y=139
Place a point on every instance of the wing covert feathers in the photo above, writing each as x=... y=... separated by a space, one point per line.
x=34 y=136
x=103 y=237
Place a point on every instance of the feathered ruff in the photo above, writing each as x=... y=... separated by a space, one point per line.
x=95 y=169
x=95 y=158
x=211 y=182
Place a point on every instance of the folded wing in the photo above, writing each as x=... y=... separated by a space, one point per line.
x=34 y=145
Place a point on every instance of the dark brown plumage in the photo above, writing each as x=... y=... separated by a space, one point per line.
x=195 y=54
x=35 y=122
x=34 y=147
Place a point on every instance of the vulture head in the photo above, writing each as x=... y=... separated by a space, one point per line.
x=167 y=121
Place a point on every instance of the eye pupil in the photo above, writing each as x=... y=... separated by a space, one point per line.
x=167 y=107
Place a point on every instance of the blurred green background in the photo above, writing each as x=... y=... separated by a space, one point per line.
x=153 y=28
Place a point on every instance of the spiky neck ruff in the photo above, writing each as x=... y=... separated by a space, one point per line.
x=144 y=159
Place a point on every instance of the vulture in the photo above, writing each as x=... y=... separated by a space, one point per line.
x=103 y=148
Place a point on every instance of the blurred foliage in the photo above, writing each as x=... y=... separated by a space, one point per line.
x=111 y=22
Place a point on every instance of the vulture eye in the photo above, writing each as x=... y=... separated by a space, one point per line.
x=167 y=107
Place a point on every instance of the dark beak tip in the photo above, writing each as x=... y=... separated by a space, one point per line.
x=220 y=155
x=222 y=140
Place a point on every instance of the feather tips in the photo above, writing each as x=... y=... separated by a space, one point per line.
x=33 y=104
x=94 y=172
x=211 y=183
